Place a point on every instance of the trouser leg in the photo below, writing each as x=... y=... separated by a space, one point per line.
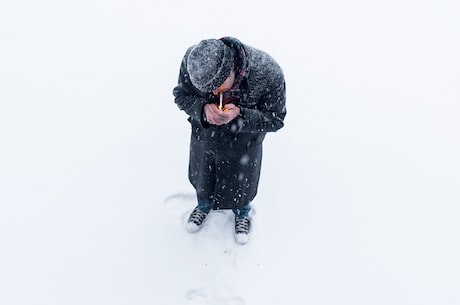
x=243 y=211
x=204 y=207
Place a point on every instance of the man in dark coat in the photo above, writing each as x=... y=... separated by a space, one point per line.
x=234 y=94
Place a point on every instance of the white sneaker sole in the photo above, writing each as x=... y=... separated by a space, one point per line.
x=241 y=238
x=192 y=227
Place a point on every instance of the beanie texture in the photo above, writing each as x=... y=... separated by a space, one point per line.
x=209 y=64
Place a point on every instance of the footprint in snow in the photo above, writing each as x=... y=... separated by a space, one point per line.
x=196 y=297
x=199 y=297
x=180 y=196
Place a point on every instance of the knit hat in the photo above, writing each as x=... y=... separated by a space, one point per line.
x=209 y=64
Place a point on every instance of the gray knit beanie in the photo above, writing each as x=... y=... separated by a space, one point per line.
x=209 y=64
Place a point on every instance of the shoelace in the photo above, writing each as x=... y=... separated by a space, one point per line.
x=242 y=225
x=198 y=216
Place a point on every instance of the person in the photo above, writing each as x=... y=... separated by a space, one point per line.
x=233 y=94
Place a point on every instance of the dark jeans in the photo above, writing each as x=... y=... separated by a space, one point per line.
x=239 y=212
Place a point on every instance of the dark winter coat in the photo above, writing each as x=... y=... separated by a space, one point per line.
x=225 y=160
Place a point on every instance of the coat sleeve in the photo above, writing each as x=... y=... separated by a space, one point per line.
x=270 y=113
x=186 y=97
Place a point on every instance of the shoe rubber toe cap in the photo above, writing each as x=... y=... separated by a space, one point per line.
x=241 y=238
x=192 y=227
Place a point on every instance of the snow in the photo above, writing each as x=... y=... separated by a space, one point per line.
x=358 y=200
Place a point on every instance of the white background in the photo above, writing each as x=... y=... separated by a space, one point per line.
x=359 y=196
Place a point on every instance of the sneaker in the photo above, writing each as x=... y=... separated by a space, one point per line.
x=195 y=220
x=242 y=229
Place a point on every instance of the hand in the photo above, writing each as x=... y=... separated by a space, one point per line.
x=219 y=117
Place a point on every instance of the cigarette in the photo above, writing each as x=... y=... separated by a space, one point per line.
x=220 y=103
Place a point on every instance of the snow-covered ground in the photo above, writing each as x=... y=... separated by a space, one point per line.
x=359 y=196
